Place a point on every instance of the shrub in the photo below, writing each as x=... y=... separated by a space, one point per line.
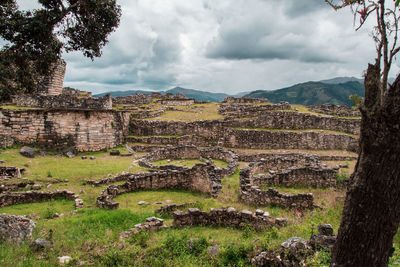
x=235 y=255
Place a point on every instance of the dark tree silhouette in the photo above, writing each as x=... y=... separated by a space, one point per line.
x=371 y=213
x=35 y=39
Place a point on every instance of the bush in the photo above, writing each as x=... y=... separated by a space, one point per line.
x=235 y=255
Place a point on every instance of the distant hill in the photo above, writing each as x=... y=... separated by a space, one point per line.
x=198 y=95
x=190 y=93
x=124 y=93
x=339 y=80
x=312 y=93
x=332 y=91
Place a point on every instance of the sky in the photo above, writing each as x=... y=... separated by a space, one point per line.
x=226 y=46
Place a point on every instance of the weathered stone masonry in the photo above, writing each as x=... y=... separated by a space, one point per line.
x=260 y=139
x=227 y=217
x=191 y=152
x=284 y=171
x=13 y=198
x=85 y=130
x=201 y=177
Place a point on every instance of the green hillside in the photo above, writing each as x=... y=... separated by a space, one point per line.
x=312 y=93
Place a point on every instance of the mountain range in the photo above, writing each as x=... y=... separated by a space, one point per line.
x=333 y=91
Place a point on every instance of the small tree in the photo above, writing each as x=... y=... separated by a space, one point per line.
x=371 y=212
x=36 y=39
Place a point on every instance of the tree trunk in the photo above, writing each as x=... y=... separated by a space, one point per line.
x=371 y=213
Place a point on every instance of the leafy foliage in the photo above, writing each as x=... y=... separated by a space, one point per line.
x=35 y=39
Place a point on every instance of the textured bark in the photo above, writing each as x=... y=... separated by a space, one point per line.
x=371 y=213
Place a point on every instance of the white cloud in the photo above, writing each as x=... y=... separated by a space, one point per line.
x=223 y=46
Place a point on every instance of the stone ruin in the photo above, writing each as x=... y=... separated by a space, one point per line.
x=245 y=100
x=53 y=84
x=191 y=152
x=252 y=157
x=227 y=217
x=176 y=100
x=201 y=177
x=334 y=110
x=232 y=111
x=15 y=229
x=14 y=198
x=53 y=96
x=283 y=171
x=152 y=224
x=295 y=250
x=10 y=172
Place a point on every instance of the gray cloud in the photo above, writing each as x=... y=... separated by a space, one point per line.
x=222 y=46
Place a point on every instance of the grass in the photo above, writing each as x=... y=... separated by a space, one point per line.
x=91 y=237
x=189 y=163
x=43 y=210
x=194 y=112
x=16 y=108
x=304 y=109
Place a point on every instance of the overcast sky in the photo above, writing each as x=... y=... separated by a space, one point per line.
x=225 y=46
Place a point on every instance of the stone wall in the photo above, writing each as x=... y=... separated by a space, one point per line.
x=76 y=93
x=14 y=198
x=86 y=130
x=259 y=139
x=260 y=156
x=227 y=217
x=6 y=141
x=289 y=172
x=245 y=110
x=172 y=140
x=53 y=84
x=191 y=152
x=245 y=100
x=64 y=102
x=137 y=99
x=201 y=177
x=177 y=102
x=299 y=121
x=15 y=229
x=210 y=129
x=284 y=171
x=10 y=172
x=343 y=111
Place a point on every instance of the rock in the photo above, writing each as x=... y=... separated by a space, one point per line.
x=36 y=187
x=27 y=152
x=344 y=166
x=143 y=203
x=295 y=244
x=129 y=149
x=213 y=251
x=15 y=229
x=83 y=157
x=168 y=201
x=322 y=241
x=49 y=185
x=2 y=161
x=259 y=212
x=40 y=244
x=92 y=158
x=325 y=229
x=64 y=259
x=115 y=153
x=69 y=153
x=78 y=203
